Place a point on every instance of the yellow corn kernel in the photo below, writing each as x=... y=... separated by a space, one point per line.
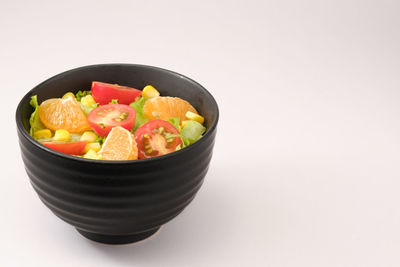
x=88 y=137
x=196 y=117
x=62 y=135
x=91 y=154
x=92 y=146
x=41 y=134
x=184 y=123
x=149 y=92
x=87 y=100
x=68 y=95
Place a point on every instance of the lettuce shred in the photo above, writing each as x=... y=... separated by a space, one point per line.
x=175 y=121
x=189 y=134
x=100 y=140
x=192 y=132
x=88 y=109
x=34 y=120
x=81 y=94
x=140 y=118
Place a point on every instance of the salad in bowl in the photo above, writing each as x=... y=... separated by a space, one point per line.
x=115 y=122
x=124 y=155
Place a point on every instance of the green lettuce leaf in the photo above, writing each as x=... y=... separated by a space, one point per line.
x=114 y=101
x=140 y=118
x=81 y=94
x=100 y=140
x=87 y=109
x=34 y=120
x=175 y=121
x=192 y=132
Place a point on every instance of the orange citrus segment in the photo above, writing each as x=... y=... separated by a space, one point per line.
x=165 y=107
x=120 y=144
x=58 y=113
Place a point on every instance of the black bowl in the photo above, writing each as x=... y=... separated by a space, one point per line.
x=118 y=202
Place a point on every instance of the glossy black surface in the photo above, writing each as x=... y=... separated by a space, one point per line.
x=118 y=201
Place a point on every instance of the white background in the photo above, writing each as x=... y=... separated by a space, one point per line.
x=306 y=164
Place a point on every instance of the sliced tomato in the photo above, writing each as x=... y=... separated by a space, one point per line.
x=156 y=138
x=103 y=93
x=102 y=119
x=71 y=148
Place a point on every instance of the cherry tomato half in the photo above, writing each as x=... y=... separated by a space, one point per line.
x=156 y=138
x=103 y=93
x=71 y=148
x=102 y=119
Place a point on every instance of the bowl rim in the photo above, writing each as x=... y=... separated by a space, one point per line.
x=30 y=139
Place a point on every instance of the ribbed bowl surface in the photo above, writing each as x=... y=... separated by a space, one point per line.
x=118 y=199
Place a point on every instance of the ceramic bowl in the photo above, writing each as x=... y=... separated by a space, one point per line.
x=118 y=202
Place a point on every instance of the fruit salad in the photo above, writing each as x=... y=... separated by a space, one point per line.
x=114 y=122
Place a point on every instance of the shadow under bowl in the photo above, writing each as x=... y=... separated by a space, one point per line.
x=118 y=202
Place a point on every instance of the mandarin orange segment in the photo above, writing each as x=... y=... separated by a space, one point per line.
x=165 y=107
x=119 y=145
x=63 y=113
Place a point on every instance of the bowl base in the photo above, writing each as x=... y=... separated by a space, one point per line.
x=118 y=239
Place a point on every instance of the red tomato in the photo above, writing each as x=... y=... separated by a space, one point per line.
x=103 y=93
x=102 y=119
x=156 y=138
x=71 y=148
